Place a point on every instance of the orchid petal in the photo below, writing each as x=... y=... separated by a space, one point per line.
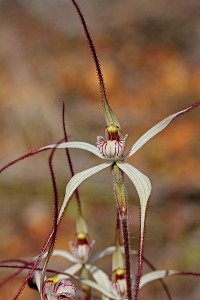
x=75 y=181
x=71 y=271
x=154 y=131
x=75 y=145
x=142 y=185
x=156 y=275
x=108 y=251
x=37 y=279
x=102 y=253
x=65 y=254
x=100 y=277
x=97 y=287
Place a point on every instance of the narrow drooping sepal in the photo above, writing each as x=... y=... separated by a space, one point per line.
x=99 y=288
x=142 y=185
x=75 y=181
x=155 y=275
x=100 y=277
x=75 y=145
x=158 y=128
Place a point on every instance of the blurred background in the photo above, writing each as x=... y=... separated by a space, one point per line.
x=149 y=53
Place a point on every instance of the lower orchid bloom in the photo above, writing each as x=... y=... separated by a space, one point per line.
x=116 y=288
x=56 y=289
x=82 y=246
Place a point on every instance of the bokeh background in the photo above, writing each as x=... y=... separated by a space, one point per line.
x=149 y=52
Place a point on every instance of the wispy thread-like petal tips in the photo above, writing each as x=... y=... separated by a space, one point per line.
x=158 y=128
x=155 y=275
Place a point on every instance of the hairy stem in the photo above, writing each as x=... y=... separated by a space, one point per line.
x=127 y=257
x=77 y=195
x=121 y=198
x=139 y=268
x=55 y=225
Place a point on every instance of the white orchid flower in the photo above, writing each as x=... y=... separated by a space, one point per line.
x=105 y=286
x=110 y=289
x=112 y=152
x=55 y=289
x=82 y=245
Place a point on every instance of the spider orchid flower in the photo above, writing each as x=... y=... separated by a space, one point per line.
x=81 y=248
x=119 y=284
x=116 y=288
x=57 y=289
x=111 y=150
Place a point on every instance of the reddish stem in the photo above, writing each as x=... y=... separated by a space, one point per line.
x=127 y=257
x=77 y=195
x=139 y=268
x=151 y=266
x=93 y=52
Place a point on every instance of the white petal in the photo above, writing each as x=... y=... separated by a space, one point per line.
x=142 y=185
x=37 y=279
x=97 y=287
x=75 y=181
x=65 y=254
x=153 y=131
x=76 y=145
x=108 y=251
x=100 y=277
x=156 y=275
x=61 y=253
x=100 y=254
x=71 y=271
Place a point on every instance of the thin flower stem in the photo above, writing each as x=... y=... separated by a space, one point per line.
x=46 y=244
x=77 y=195
x=21 y=158
x=127 y=256
x=109 y=115
x=55 y=225
x=117 y=229
x=165 y=287
x=93 y=51
x=38 y=269
x=120 y=194
x=29 y=154
x=33 y=267
x=139 y=268
x=5 y=281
